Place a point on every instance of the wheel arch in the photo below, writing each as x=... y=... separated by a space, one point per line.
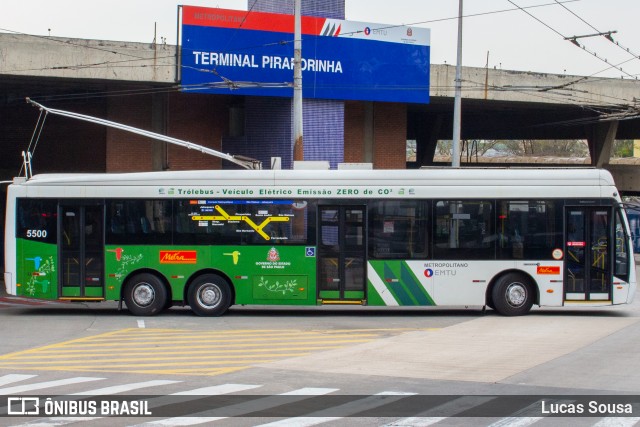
x=202 y=272
x=156 y=273
x=494 y=280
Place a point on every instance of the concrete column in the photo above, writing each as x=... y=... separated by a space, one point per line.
x=368 y=133
x=159 y=125
x=600 y=139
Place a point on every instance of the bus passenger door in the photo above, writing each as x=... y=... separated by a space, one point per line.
x=81 y=246
x=588 y=273
x=342 y=254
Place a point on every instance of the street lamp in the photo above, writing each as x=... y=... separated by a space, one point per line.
x=457 y=105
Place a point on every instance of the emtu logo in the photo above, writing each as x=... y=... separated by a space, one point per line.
x=367 y=31
x=428 y=272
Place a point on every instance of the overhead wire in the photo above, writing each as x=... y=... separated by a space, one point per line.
x=229 y=83
x=469 y=15
x=606 y=36
x=573 y=40
x=68 y=41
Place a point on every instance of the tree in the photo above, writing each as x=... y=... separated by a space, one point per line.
x=622 y=148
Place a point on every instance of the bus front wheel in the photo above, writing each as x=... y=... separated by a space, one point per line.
x=512 y=295
x=209 y=295
x=145 y=295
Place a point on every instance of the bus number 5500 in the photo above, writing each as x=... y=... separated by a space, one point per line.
x=38 y=234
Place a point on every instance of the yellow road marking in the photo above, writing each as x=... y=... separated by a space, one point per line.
x=66 y=354
x=184 y=352
x=365 y=337
x=188 y=357
x=57 y=345
x=177 y=371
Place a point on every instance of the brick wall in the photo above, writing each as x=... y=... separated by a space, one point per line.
x=65 y=145
x=353 y=132
x=390 y=135
x=334 y=131
x=201 y=119
x=127 y=152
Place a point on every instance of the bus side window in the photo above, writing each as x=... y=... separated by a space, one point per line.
x=37 y=220
x=145 y=226
x=398 y=229
x=117 y=224
x=138 y=222
x=464 y=229
x=528 y=229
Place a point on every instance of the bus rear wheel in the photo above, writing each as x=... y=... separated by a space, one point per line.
x=512 y=295
x=145 y=295
x=209 y=295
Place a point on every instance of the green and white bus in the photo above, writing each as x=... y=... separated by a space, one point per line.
x=502 y=238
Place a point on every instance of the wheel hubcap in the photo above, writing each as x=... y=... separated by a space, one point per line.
x=209 y=295
x=516 y=294
x=143 y=294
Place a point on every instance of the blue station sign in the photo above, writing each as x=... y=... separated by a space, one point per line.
x=251 y=53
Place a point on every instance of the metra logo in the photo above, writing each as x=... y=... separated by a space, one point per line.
x=178 y=257
x=548 y=269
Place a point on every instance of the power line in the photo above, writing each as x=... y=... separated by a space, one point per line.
x=248 y=48
x=471 y=15
x=230 y=83
x=572 y=39
x=607 y=35
x=69 y=42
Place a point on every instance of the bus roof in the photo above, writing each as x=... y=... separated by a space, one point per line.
x=424 y=176
x=426 y=182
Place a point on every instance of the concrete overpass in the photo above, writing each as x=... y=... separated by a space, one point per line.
x=497 y=104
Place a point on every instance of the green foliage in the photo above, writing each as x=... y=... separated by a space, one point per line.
x=622 y=148
x=520 y=148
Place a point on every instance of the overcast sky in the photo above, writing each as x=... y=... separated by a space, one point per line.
x=511 y=39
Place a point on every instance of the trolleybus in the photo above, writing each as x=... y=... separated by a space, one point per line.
x=503 y=238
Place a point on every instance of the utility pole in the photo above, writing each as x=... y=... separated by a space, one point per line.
x=298 y=145
x=457 y=106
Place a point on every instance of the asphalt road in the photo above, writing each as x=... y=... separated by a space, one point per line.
x=326 y=365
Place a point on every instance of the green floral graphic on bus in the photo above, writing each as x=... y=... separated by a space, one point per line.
x=39 y=280
x=126 y=261
x=287 y=286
